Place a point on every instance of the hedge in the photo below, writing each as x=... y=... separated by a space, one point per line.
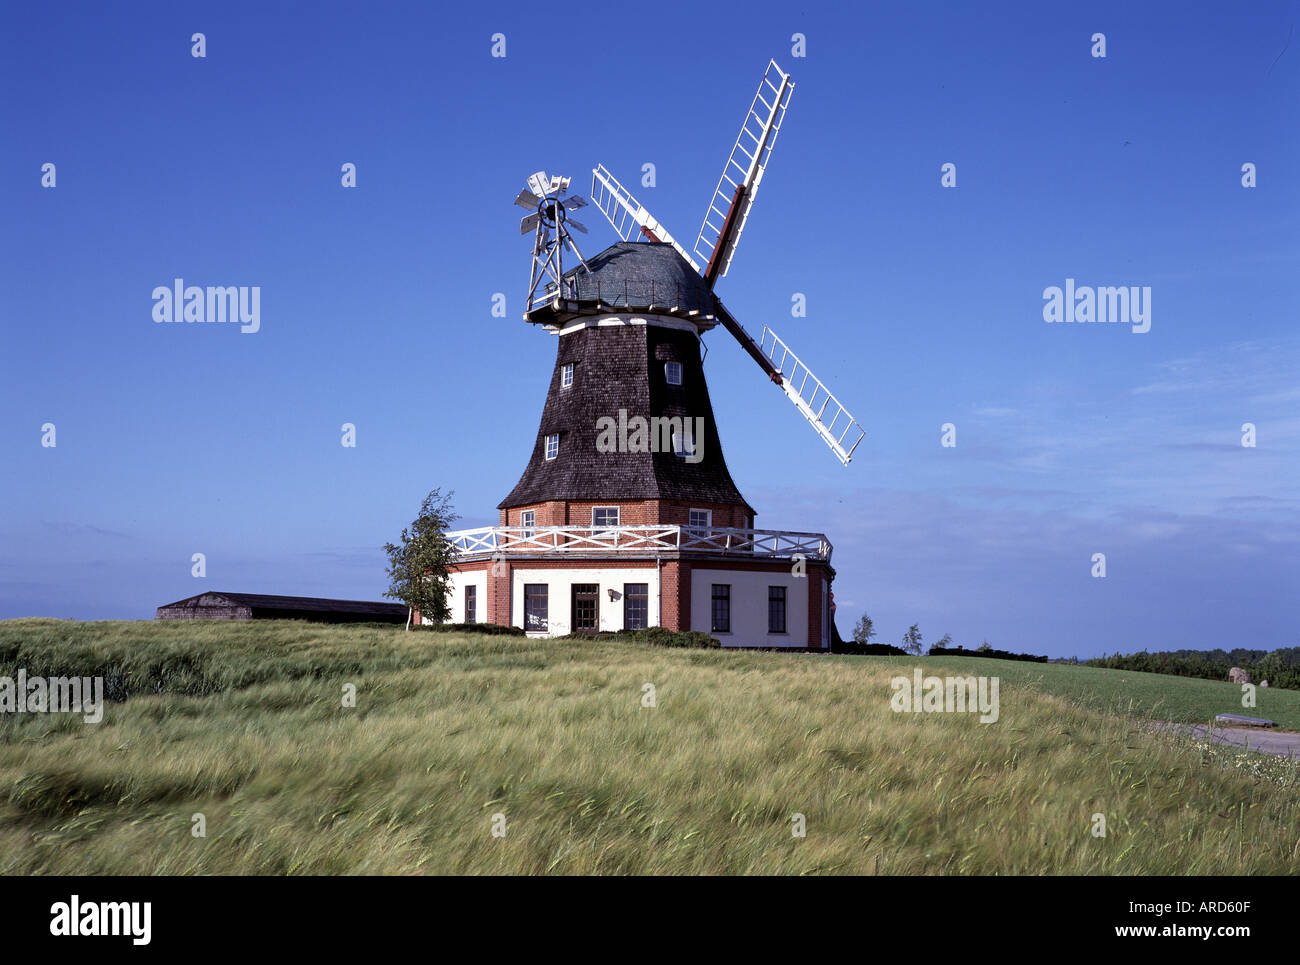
x=655 y=636
x=869 y=649
x=487 y=629
x=996 y=654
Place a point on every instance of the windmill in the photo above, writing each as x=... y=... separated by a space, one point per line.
x=550 y=222
x=625 y=515
x=715 y=247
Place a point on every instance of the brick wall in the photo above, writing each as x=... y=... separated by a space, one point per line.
x=815 y=575
x=498 y=593
x=640 y=512
x=674 y=579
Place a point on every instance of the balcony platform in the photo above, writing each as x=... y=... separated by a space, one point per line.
x=619 y=542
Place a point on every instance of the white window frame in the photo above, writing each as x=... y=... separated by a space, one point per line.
x=552 y=452
x=683 y=444
x=566 y=375
x=598 y=509
x=668 y=372
x=528 y=522
x=543 y=625
x=695 y=529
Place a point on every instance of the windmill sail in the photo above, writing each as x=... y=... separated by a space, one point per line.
x=628 y=217
x=734 y=196
x=716 y=245
x=834 y=423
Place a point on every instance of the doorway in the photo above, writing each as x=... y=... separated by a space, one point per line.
x=586 y=607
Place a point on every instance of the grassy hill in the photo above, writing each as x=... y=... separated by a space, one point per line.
x=244 y=724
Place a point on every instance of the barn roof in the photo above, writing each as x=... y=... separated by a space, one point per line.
x=263 y=601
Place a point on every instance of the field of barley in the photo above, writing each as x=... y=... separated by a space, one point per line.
x=455 y=736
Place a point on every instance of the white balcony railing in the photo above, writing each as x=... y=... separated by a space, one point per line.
x=597 y=540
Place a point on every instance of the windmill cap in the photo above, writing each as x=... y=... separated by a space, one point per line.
x=641 y=274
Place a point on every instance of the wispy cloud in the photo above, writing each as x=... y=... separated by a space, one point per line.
x=1254 y=371
x=1022 y=577
x=84 y=529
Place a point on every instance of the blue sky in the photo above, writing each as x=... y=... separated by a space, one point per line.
x=924 y=303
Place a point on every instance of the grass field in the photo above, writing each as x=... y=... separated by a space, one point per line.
x=244 y=724
x=1150 y=695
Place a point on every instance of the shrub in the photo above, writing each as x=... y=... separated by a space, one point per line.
x=655 y=636
x=487 y=629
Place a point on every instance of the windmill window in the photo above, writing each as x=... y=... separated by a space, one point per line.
x=566 y=375
x=552 y=446
x=683 y=444
x=604 y=516
x=701 y=521
x=535 y=606
x=527 y=520
x=636 y=606
x=721 y=607
x=776 y=609
x=673 y=372
x=471 y=604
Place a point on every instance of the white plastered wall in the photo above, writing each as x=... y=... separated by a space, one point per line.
x=749 y=607
x=560 y=597
x=460 y=580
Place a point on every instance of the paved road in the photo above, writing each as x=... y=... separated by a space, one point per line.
x=1282 y=743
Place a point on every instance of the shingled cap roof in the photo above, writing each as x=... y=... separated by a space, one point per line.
x=650 y=274
x=631 y=274
x=623 y=367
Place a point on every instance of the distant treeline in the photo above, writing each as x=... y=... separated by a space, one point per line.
x=886 y=650
x=868 y=649
x=1281 y=668
x=998 y=654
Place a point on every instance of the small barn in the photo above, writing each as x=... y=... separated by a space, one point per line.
x=215 y=605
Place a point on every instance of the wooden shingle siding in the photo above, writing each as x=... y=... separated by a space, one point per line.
x=621 y=367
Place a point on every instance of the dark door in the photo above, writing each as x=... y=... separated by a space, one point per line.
x=586 y=607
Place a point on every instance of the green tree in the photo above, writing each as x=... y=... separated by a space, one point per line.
x=911 y=642
x=864 y=631
x=944 y=641
x=418 y=566
x=984 y=647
